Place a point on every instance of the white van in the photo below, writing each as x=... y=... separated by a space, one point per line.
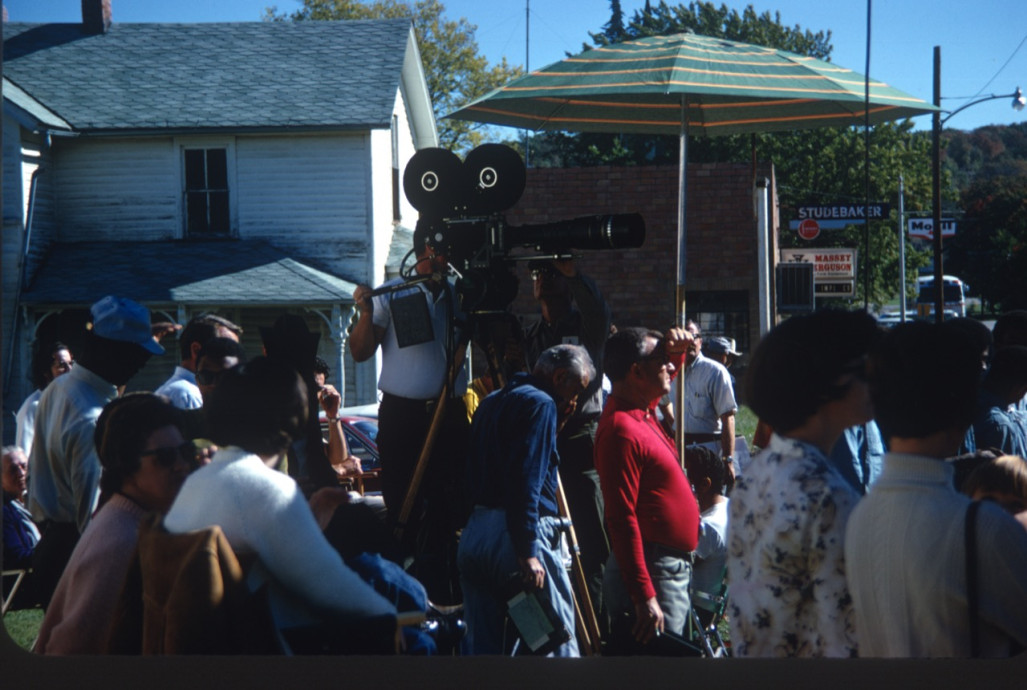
x=955 y=296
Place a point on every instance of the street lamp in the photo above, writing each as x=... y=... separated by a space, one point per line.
x=1018 y=104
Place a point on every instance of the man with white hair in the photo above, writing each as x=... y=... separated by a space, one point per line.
x=512 y=481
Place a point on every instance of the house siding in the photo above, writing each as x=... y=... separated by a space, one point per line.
x=308 y=195
x=24 y=157
x=116 y=189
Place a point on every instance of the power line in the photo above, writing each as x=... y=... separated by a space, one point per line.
x=1004 y=65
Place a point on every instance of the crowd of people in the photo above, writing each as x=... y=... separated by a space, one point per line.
x=885 y=513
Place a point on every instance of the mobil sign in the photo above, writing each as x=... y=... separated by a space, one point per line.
x=924 y=227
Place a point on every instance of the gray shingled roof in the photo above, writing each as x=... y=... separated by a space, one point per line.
x=314 y=74
x=228 y=272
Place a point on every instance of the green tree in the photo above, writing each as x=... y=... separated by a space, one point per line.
x=825 y=166
x=614 y=29
x=455 y=70
x=989 y=250
x=709 y=20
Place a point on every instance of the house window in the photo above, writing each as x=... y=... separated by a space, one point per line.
x=206 y=192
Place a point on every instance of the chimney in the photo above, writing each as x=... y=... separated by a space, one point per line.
x=96 y=16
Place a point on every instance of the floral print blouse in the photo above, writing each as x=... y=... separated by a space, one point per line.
x=787 y=593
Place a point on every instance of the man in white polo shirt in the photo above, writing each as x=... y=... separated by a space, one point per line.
x=710 y=407
x=417 y=330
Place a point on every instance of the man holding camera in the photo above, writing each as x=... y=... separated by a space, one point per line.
x=574 y=311
x=415 y=326
x=514 y=531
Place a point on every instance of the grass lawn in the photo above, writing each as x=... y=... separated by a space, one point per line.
x=23 y=626
x=745 y=423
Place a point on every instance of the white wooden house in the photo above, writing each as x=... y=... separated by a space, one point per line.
x=242 y=168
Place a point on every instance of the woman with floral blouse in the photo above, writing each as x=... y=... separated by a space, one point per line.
x=786 y=570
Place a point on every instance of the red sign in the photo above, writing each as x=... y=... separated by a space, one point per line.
x=809 y=229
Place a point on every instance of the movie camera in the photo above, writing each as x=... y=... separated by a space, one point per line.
x=461 y=203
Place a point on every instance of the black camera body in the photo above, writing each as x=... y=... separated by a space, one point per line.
x=461 y=204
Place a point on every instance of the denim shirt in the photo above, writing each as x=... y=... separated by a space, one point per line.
x=513 y=462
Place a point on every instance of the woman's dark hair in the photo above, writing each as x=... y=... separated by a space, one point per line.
x=924 y=379
x=42 y=360
x=260 y=406
x=321 y=367
x=624 y=348
x=121 y=432
x=795 y=368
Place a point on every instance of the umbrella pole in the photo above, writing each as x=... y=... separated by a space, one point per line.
x=679 y=432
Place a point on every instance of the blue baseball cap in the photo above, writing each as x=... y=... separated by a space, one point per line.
x=118 y=318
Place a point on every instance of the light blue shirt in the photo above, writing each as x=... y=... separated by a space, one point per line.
x=64 y=470
x=181 y=390
x=858 y=455
x=708 y=395
x=25 y=422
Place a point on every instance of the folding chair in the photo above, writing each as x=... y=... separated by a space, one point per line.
x=8 y=594
x=705 y=616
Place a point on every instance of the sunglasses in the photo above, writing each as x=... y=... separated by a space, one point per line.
x=169 y=456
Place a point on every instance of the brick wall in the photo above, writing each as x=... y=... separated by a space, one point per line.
x=640 y=284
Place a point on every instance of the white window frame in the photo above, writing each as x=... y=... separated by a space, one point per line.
x=184 y=143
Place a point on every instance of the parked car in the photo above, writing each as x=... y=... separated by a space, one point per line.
x=361 y=434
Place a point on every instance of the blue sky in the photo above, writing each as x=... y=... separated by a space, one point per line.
x=983 y=43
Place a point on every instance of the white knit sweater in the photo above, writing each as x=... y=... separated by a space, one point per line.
x=263 y=512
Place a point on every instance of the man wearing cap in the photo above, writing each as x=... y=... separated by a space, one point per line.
x=723 y=350
x=63 y=465
x=709 y=415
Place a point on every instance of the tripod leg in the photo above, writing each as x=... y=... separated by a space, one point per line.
x=584 y=612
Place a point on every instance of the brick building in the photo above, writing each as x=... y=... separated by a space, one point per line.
x=721 y=272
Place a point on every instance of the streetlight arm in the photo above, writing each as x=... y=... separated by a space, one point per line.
x=1017 y=96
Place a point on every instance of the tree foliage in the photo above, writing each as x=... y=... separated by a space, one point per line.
x=455 y=70
x=988 y=171
x=826 y=166
x=707 y=19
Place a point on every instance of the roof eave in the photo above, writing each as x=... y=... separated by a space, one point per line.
x=229 y=130
x=418 y=99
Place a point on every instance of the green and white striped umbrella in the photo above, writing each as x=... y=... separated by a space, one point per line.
x=687 y=84
x=726 y=87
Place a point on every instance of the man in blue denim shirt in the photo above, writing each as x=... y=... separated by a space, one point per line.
x=998 y=424
x=512 y=481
